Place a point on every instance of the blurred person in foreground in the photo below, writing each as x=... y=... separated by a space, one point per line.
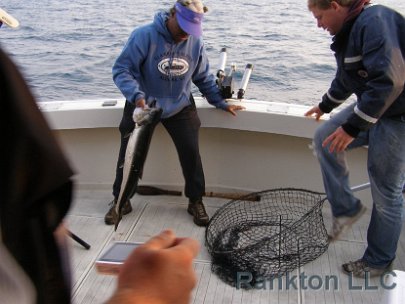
x=369 y=46
x=36 y=192
x=158 y=64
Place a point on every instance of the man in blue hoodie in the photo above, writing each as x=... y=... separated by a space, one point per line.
x=369 y=46
x=157 y=65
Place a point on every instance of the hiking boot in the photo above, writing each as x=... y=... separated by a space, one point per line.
x=342 y=223
x=361 y=269
x=197 y=210
x=111 y=215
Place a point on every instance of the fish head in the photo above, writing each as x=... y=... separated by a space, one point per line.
x=150 y=116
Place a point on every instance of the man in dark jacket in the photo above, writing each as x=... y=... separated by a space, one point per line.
x=369 y=46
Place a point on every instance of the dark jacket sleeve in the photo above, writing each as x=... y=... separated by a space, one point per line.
x=35 y=187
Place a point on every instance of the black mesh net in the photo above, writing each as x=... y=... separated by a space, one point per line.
x=268 y=237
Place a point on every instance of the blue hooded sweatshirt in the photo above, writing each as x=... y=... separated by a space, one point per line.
x=152 y=66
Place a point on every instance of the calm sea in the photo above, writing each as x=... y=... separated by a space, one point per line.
x=66 y=49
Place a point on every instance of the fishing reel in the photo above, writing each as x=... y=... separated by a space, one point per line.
x=226 y=82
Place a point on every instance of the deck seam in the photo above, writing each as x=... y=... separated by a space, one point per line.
x=81 y=281
x=135 y=224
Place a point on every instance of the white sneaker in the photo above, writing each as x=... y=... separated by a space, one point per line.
x=342 y=223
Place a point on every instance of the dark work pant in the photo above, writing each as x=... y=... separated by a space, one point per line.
x=183 y=128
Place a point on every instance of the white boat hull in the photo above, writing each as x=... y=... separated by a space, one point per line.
x=266 y=146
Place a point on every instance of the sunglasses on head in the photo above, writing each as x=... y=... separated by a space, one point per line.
x=188 y=2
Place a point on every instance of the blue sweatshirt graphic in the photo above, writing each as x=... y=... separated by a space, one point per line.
x=152 y=66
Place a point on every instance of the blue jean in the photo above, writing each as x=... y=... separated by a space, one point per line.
x=386 y=170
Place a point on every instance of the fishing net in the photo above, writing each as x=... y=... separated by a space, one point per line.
x=266 y=238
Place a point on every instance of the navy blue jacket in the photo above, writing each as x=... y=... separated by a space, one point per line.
x=370 y=55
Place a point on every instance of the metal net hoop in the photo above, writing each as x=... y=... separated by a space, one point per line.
x=280 y=231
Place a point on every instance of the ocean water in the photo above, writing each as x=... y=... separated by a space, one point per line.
x=65 y=49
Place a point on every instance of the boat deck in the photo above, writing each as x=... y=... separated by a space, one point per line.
x=324 y=283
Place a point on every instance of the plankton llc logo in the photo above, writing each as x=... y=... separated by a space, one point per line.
x=174 y=67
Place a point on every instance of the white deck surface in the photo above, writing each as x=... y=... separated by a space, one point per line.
x=152 y=214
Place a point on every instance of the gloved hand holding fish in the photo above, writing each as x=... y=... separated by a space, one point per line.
x=146 y=120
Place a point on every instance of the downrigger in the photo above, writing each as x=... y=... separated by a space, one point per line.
x=225 y=81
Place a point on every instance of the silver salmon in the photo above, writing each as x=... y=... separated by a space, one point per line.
x=135 y=156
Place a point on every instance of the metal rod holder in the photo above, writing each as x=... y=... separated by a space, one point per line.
x=245 y=80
